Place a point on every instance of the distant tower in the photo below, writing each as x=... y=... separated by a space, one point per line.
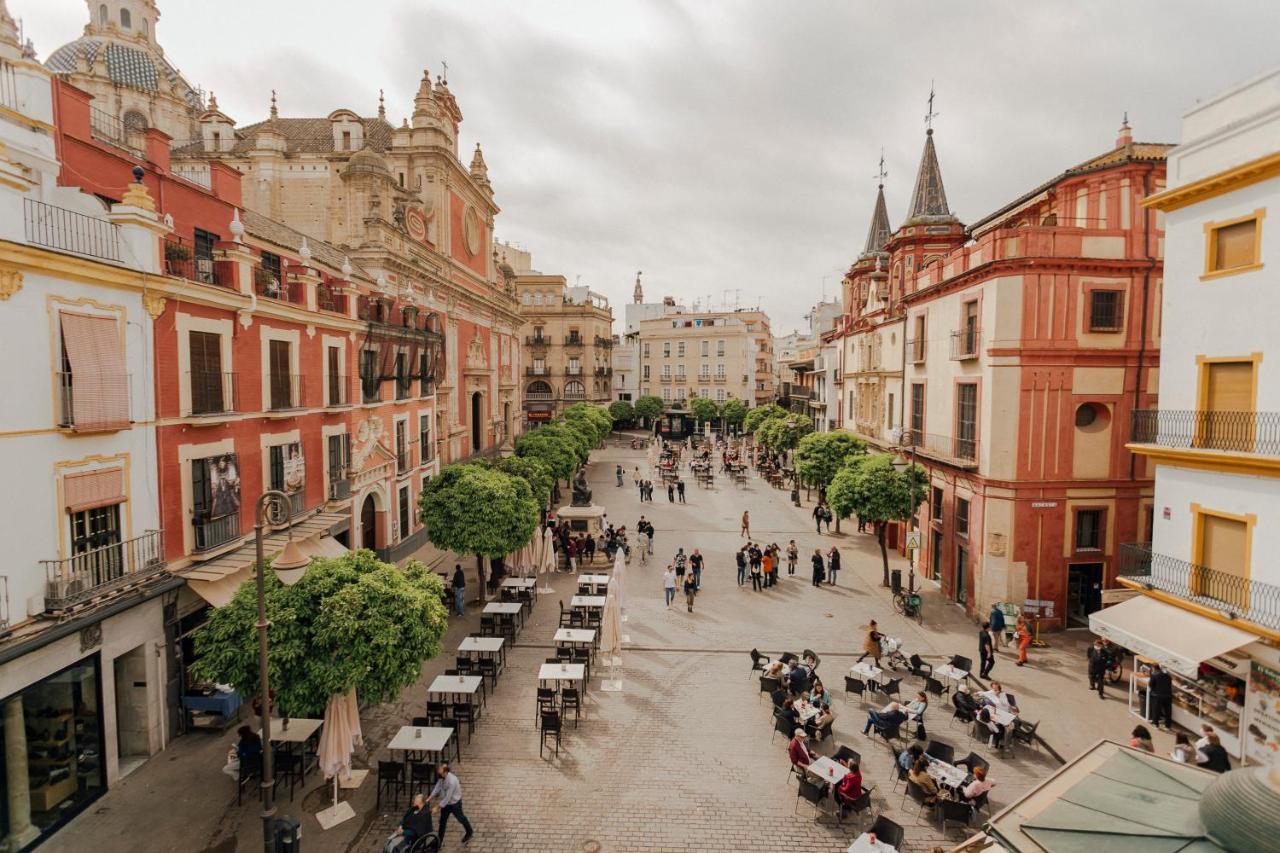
x=637 y=295
x=1125 y=136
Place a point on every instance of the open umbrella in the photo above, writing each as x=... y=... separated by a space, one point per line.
x=611 y=640
x=338 y=739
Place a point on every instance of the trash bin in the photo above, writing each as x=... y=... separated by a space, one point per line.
x=895 y=581
x=287 y=835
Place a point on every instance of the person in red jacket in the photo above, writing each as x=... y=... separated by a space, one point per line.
x=849 y=788
x=798 y=750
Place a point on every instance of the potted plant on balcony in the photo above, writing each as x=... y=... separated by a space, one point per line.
x=266 y=282
x=176 y=253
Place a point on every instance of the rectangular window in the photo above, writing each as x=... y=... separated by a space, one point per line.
x=425 y=448
x=270 y=264
x=889 y=413
x=337 y=391
x=719 y=395
x=917 y=412
x=646 y=349
x=1227 y=422
x=962 y=517
x=339 y=454
x=1233 y=246
x=1222 y=564
x=966 y=421
x=644 y=372
x=935 y=555
x=666 y=395
x=370 y=380
x=720 y=348
x=94 y=382
x=1106 y=310
x=1089 y=532
x=704 y=371
x=215 y=500
x=575 y=367
x=680 y=371
x=404 y=379
x=666 y=349
x=917 y=343
x=720 y=374
x=680 y=349
x=404 y=512
x=706 y=348
x=402 y=448
x=95 y=528
x=935 y=504
x=281 y=377
x=204 y=244
x=971 y=326
x=346 y=140
x=208 y=388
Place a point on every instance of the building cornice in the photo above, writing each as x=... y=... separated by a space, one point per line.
x=1221 y=461
x=1220 y=183
x=1001 y=267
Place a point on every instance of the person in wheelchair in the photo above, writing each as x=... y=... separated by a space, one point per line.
x=415 y=825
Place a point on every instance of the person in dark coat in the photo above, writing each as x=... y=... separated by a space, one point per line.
x=1215 y=757
x=986 y=650
x=833 y=564
x=1160 y=693
x=1099 y=662
x=819 y=567
x=997 y=624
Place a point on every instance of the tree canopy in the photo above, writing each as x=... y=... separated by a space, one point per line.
x=553 y=446
x=733 y=411
x=879 y=495
x=649 y=406
x=622 y=411
x=533 y=471
x=704 y=409
x=784 y=433
x=350 y=622
x=582 y=433
x=757 y=416
x=470 y=509
x=594 y=417
x=820 y=455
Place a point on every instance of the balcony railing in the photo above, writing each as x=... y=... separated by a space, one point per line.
x=95 y=573
x=964 y=344
x=537 y=340
x=339 y=484
x=571 y=370
x=1242 y=432
x=537 y=371
x=181 y=261
x=720 y=380
x=604 y=371
x=212 y=532
x=1239 y=597
x=945 y=446
x=915 y=350
x=105 y=127
x=573 y=340
x=212 y=393
x=338 y=392
x=603 y=342
x=285 y=391
x=539 y=395
x=297 y=504
x=327 y=299
x=665 y=380
x=573 y=394
x=270 y=286
x=67 y=231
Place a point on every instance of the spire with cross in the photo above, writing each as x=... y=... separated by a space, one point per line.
x=882 y=174
x=879 y=231
x=931 y=115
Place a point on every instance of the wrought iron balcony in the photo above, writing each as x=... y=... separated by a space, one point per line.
x=328 y=298
x=270 y=286
x=105 y=127
x=573 y=340
x=1232 y=595
x=534 y=370
x=68 y=231
x=212 y=393
x=338 y=392
x=297 y=503
x=604 y=371
x=94 y=574
x=537 y=340
x=181 y=261
x=573 y=370
x=945 y=447
x=286 y=391
x=1242 y=432
x=964 y=343
x=212 y=532
x=603 y=342
x=339 y=484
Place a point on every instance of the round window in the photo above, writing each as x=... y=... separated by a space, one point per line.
x=1086 y=415
x=1092 y=417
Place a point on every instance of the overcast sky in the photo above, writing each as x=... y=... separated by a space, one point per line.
x=724 y=146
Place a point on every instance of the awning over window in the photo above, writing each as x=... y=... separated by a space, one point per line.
x=93 y=489
x=99 y=383
x=1176 y=639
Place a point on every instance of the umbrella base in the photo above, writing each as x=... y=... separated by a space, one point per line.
x=334 y=815
x=355 y=780
x=611 y=686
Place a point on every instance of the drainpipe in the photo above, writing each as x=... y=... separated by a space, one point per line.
x=1146 y=310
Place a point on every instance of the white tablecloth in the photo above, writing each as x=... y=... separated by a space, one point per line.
x=864 y=844
x=827 y=770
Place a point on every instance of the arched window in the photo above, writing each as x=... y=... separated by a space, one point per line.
x=537 y=299
x=103 y=15
x=143 y=26
x=1051 y=219
x=125 y=20
x=574 y=390
x=526 y=299
x=134 y=122
x=538 y=391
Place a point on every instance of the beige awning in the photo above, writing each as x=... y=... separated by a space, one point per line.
x=1176 y=639
x=324 y=546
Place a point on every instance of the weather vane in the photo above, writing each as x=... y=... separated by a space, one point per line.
x=882 y=174
x=931 y=115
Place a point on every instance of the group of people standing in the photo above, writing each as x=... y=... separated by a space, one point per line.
x=763 y=563
x=684 y=570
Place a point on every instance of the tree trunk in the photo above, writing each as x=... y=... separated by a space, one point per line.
x=884 y=551
x=484 y=587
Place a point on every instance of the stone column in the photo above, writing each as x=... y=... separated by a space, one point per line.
x=21 y=832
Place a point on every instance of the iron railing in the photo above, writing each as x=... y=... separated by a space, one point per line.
x=604 y=371
x=212 y=393
x=181 y=261
x=297 y=503
x=964 y=343
x=199 y=174
x=286 y=391
x=573 y=340
x=537 y=340
x=95 y=573
x=571 y=370
x=68 y=231
x=338 y=393
x=537 y=371
x=339 y=484
x=105 y=127
x=950 y=447
x=1237 y=596
x=327 y=299
x=212 y=532
x=603 y=342
x=1243 y=432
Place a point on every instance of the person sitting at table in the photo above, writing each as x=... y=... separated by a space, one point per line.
x=819 y=695
x=909 y=755
x=777 y=669
x=821 y=720
x=918 y=706
x=249 y=747
x=998 y=698
x=799 y=677
x=415 y=824
x=849 y=788
x=798 y=750
x=979 y=786
x=919 y=773
x=889 y=717
x=994 y=729
x=789 y=712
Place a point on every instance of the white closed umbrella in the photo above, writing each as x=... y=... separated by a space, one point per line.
x=611 y=640
x=547 y=563
x=618 y=584
x=338 y=739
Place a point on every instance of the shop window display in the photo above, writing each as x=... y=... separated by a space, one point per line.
x=51 y=751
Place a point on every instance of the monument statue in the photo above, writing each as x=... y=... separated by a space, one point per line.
x=581 y=494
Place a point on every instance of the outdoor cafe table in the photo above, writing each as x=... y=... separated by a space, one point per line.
x=521 y=583
x=298 y=732
x=806 y=712
x=455 y=685
x=1002 y=716
x=484 y=646
x=827 y=770
x=431 y=739
x=506 y=608
x=866 y=672
x=864 y=844
x=562 y=672
x=575 y=636
x=950 y=672
x=594 y=580
x=947 y=775
x=588 y=601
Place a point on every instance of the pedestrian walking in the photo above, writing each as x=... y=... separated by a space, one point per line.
x=827 y=516
x=671 y=493
x=793 y=554
x=746 y=524
x=862 y=525
x=766 y=568
x=997 y=623
x=669 y=584
x=680 y=489
x=679 y=561
x=752 y=558
x=1099 y=663
x=459 y=585
x=819 y=567
x=817 y=518
x=619 y=473
x=690 y=591
x=871 y=645
x=635 y=476
x=741 y=559
x=589 y=550
x=1160 y=697
x=695 y=565
x=640 y=487
x=447 y=796
x=1023 y=634
x=833 y=564
x=986 y=651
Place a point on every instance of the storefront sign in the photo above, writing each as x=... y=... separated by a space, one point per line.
x=1262 y=703
x=1043 y=504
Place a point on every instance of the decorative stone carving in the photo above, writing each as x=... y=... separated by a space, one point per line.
x=10 y=283
x=154 y=303
x=90 y=637
x=476 y=357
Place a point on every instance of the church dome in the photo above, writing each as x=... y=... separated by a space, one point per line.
x=126 y=65
x=367 y=160
x=1240 y=810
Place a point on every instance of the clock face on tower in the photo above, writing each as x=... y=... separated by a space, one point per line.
x=471 y=229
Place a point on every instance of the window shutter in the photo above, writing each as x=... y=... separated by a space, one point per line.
x=277 y=466
x=93 y=489
x=99 y=381
x=201 y=490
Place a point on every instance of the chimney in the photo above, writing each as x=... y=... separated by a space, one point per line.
x=1126 y=133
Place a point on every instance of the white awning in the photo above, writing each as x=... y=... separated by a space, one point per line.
x=1176 y=639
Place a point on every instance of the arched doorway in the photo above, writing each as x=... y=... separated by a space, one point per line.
x=368 y=524
x=475 y=423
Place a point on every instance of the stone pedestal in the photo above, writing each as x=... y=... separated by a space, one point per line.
x=582 y=519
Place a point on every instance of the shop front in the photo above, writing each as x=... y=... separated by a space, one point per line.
x=1209 y=663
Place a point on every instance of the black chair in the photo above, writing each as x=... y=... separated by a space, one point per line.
x=507 y=626
x=488 y=626
x=888 y=732
x=919 y=668
x=788 y=658
x=778 y=696
x=941 y=751
x=935 y=687
x=768 y=684
x=1024 y=733
x=962 y=663
x=757 y=662
x=918 y=795
x=887 y=831
x=842 y=752
x=566 y=616
x=953 y=810
x=822 y=732
x=564 y=653
x=451 y=672
x=549 y=728
x=813 y=792
x=899 y=774
x=571 y=698
x=465 y=665
x=780 y=724
x=857 y=806
x=488 y=668
x=548 y=698
x=250 y=768
x=422 y=776
x=391 y=779
x=962 y=712
x=585 y=589
x=890 y=687
x=972 y=761
x=583 y=656
x=980 y=802
x=468 y=713
x=855 y=685
x=435 y=713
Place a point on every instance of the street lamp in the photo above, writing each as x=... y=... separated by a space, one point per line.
x=275 y=508
x=903 y=465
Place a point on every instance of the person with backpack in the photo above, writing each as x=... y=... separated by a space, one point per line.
x=741 y=559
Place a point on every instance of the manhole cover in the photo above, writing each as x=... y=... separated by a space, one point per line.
x=591 y=847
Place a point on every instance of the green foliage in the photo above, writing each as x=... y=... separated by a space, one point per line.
x=733 y=411
x=551 y=445
x=622 y=411
x=471 y=509
x=649 y=407
x=598 y=421
x=820 y=455
x=879 y=495
x=533 y=471
x=351 y=621
x=703 y=409
x=581 y=434
x=783 y=433
x=757 y=416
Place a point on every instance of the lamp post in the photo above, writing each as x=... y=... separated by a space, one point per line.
x=274 y=507
x=902 y=466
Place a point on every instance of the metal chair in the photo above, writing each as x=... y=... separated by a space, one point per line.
x=391 y=779
x=842 y=752
x=435 y=713
x=488 y=626
x=919 y=668
x=564 y=653
x=1024 y=733
x=855 y=685
x=935 y=687
x=813 y=792
x=768 y=684
x=890 y=687
x=758 y=662
x=422 y=776
x=566 y=616
x=953 y=810
x=488 y=667
x=547 y=700
x=250 y=767
x=857 y=806
x=916 y=793
x=941 y=751
x=468 y=713
x=962 y=663
x=781 y=725
x=571 y=698
x=973 y=761
x=887 y=831
x=582 y=656
x=550 y=727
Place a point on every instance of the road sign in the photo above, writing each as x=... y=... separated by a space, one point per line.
x=1043 y=504
x=913 y=540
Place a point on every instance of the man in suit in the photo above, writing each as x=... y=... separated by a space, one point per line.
x=1160 y=696
x=986 y=651
x=1099 y=662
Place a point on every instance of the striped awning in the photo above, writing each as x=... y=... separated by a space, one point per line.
x=93 y=489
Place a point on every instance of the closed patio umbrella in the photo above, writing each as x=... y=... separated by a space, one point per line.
x=611 y=639
x=338 y=740
x=618 y=584
x=547 y=552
